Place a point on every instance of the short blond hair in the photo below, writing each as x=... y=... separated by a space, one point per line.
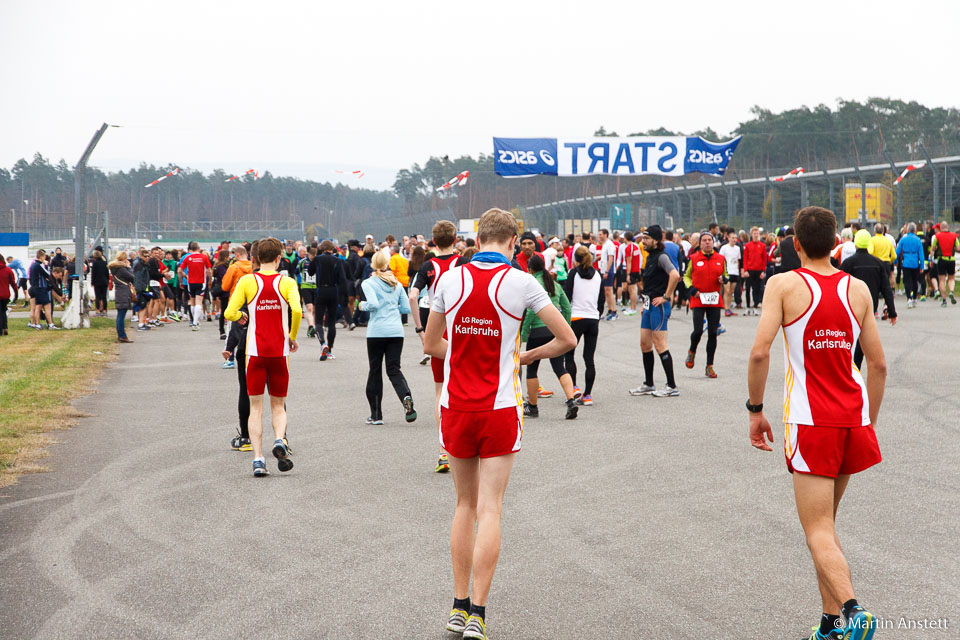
x=496 y=225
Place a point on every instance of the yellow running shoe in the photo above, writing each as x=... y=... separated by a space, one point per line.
x=443 y=464
x=475 y=629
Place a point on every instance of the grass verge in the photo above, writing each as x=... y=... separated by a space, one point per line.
x=41 y=372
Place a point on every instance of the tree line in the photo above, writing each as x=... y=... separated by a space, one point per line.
x=41 y=192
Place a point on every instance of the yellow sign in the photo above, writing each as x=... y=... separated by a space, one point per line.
x=879 y=202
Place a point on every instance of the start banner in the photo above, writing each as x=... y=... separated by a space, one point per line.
x=633 y=156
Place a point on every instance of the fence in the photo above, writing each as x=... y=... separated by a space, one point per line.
x=926 y=193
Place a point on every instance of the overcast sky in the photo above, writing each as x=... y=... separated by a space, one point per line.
x=303 y=88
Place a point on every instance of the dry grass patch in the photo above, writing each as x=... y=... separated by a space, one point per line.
x=41 y=372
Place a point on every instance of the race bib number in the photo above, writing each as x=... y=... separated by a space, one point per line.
x=646 y=303
x=154 y=283
x=712 y=297
x=309 y=279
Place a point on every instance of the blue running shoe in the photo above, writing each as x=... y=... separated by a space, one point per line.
x=281 y=452
x=861 y=625
x=260 y=469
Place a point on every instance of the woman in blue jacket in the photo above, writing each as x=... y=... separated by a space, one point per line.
x=385 y=300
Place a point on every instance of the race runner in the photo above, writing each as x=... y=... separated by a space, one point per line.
x=268 y=295
x=944 y=247
x=480 y=305
x=828 y=410
x=444 y=237
x=194 y=270
x=660 y=278
x=705 y=277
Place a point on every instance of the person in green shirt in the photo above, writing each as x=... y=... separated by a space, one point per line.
x=535 y=333
x=173 y=295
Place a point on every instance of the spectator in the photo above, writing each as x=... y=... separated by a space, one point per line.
x=122 y=292
x=8 y=284
x=100 y=278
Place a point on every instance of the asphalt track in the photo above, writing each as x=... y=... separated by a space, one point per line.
x=645 y=518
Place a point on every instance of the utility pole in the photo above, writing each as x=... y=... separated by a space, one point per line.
x=79 y=206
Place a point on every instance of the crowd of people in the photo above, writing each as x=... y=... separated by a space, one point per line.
x=474 y=301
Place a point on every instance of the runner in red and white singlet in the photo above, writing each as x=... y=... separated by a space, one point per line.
x=271 y=338
x=480 y=306
x=444 y=237
x=194 y=269
x=829 y=408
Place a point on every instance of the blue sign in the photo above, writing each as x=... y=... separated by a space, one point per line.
x=14 y=239
x=525 y=156
x=631 y=156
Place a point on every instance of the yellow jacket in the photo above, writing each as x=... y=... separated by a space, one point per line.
x=880 y=247
x=399 y=266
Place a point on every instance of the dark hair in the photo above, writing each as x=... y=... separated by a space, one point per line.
x=816 y=231
x=535 y=265
x=629 y=236
x=417 y=259
x=471 y=242
x=326 y=246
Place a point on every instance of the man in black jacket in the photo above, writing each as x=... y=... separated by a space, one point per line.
x=873 y=272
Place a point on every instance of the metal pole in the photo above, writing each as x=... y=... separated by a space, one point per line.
x=936 y=180
x=106 y=235
x=79 y=206
x=893 y=168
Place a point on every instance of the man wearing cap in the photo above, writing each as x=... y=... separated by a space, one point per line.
x=660 y=278
x=528 y=248
x=863 y=266
x=550 y=255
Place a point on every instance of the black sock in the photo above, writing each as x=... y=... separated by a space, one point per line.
x=848 y=607
x=648 y=368
x=667 y=363
x=828 y=623
x=463 y=603
x=480 y=612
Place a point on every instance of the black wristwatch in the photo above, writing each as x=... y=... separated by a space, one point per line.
x=754 y=408
x=421 y=329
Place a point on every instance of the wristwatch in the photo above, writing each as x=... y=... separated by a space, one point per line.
x=421 y=329
x=754 y=408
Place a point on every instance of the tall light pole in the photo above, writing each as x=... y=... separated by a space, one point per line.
x=79 y=206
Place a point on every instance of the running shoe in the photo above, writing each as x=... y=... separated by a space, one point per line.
x=210 y=317
x=709 y=372
x=141 y=327
x=457 y=621
x=643 y=390
x=324 y=352
x=721 y=330
x=835 y=634
x=194 y=327
x=425 y=360
x=372 y=420
x=690 y=357
x=53 y=327
x=223 y=336
x=311 y=332
x=952 y=299
x=729 y=312
x=666 y=392
x=576 y=392
x=475 y=629
x=923 y=298
x=943 y=302
x=176 y=316
x=260 y=469
x=531 y=410
x=572 y=409
x=861 y=625
x=611 y=316
x=585 y=401
x=443 y=464
x=239 y=443
x=630 y=312
x=281 y=452
x=229 y=364
x=543 y=393
x=410 y=413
